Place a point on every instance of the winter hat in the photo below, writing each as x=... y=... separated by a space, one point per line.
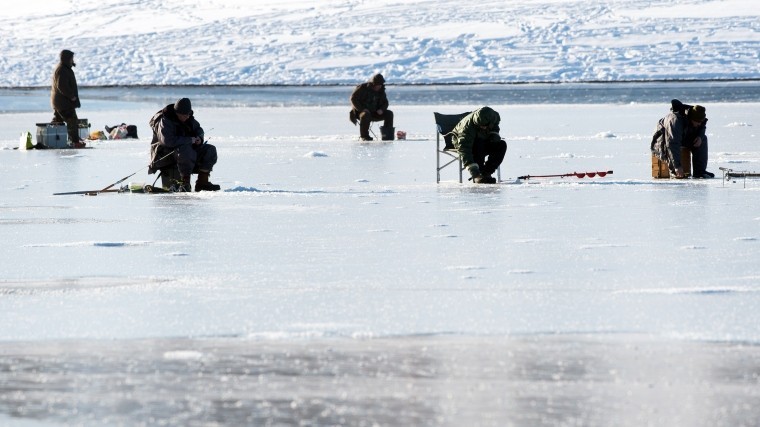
x=183 y=106
x=377 y=79
x=696 y=113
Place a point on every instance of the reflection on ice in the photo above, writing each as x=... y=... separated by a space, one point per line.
x=353 y=289
x=441 y=381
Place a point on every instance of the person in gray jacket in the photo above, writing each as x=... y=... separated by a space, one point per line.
x=684 y=126
x=476 y=137
x=176 y=132
x=64 y=97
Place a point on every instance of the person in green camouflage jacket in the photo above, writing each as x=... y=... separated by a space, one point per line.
x=369 y=103
x=476 y=137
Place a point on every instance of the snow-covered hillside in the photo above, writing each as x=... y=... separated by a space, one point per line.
x=241 y=42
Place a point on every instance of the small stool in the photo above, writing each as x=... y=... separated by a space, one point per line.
x=660 y=167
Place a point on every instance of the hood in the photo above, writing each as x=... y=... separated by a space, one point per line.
x=486 y=116
x=67 y=56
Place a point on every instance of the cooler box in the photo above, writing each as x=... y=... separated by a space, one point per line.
x=660 y=168
x=52 y=135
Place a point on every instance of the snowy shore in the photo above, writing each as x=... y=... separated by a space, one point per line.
x=223 y=42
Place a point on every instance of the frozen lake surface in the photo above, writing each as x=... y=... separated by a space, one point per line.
x=333 y=282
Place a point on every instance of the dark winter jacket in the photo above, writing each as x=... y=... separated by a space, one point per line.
x=672 y=132
x=64 y=93
x=365 y=98
x=471 y=128
x=169 y=133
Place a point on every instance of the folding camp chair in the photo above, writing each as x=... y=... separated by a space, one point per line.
x=444 y=124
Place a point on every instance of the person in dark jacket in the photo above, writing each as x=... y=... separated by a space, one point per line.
x=177 y=132
x=684 y=126
x=370 y=104
x=64 y=97
x=476 y=137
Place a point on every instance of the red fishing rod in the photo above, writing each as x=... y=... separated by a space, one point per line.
x=600 y=174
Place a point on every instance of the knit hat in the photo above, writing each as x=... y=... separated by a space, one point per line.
x=696 y=113
x=183 y=106
x=377 y=79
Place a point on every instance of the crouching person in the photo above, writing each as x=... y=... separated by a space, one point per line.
x=683 y=127
x=178 y=144
x=476 y=138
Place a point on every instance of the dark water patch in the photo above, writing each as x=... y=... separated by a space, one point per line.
x=37 y=99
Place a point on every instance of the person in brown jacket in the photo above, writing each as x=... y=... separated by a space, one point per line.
x=370 y=104
x=64 y=97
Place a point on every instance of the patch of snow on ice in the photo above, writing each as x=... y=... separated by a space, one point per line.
x=315 y=154
x=183 y=355
x=606 y=135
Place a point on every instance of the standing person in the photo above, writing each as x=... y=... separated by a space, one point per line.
x=176 y=130
x=476 y=137
x=64 y=97
x=370 y=104
x=684 y=126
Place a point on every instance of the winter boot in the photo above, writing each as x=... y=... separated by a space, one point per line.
x=182 y=186
x=484 y=179
x=486 y=176
x=387 y=133
x=203 y=184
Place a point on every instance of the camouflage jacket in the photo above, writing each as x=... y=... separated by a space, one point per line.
x=483 y=124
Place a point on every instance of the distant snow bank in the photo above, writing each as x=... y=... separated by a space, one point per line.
x=222 y=42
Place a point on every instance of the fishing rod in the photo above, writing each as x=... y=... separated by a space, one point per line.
x=108 y=188
x=601 y=174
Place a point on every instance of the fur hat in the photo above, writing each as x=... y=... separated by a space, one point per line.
x=377 y=79
x=183 y=106
x=696 y=113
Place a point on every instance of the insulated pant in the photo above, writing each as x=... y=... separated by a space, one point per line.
x=366 y=118
x=72 y=122
x=494 y=150
x=193 y=158
x=698 y=157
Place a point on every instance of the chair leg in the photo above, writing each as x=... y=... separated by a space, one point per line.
x=437 y=164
